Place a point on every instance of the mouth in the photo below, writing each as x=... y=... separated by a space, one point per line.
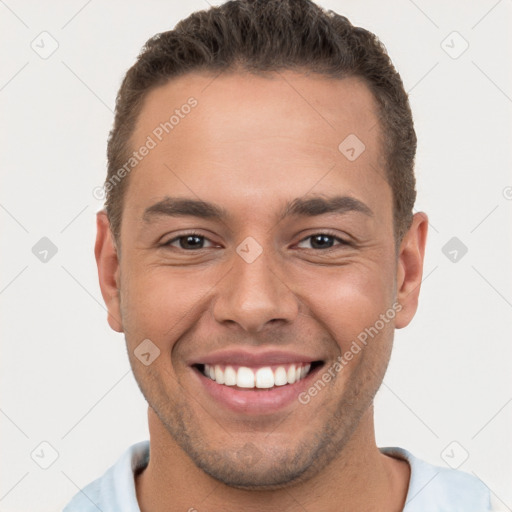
x=256 y=389
x=262 y=377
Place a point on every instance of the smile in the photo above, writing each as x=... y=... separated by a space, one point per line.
x=264 y=377
x=253 y=382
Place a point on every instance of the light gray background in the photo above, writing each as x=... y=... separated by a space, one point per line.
x=65 y=374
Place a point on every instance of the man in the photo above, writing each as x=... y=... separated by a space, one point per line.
x=258 y=249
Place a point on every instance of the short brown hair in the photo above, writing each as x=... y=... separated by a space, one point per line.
x=264 y=36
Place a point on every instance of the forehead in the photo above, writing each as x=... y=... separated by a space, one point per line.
x=237 y=105
x=241 y=137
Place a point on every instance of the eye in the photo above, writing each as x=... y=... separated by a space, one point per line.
x=323 y=241
x=188 y=242
x=195 y=241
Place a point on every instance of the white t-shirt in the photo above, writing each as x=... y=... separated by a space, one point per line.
x=431 y=488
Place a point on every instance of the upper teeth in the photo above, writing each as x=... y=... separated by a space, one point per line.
x=264 y=377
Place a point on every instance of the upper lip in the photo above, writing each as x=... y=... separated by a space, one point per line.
x=242 y=357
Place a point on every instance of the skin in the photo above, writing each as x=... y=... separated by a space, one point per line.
x=251 y=145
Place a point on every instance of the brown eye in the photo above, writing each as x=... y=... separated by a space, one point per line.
x=322 y=241
x=187 y=242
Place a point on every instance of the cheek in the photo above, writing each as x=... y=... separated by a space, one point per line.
x=158 y=302
x=349 y=299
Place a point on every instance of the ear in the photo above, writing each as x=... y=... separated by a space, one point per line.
x=410 y=269
x=108 y=270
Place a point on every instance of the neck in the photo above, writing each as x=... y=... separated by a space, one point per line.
x=358 y=478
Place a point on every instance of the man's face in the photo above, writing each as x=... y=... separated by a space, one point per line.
x=256 y=288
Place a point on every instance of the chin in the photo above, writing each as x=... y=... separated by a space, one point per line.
x=271 y=476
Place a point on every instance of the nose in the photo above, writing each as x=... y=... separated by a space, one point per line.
x=254 y=295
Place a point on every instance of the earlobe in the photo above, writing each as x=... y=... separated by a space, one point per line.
x=108 y=270
x=410 y=269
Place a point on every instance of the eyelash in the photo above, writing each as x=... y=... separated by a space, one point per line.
x=192 y=233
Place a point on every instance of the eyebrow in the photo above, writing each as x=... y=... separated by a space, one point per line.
x=305 y=207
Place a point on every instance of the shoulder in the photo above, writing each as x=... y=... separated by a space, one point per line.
x=438 y=489
x=115 y=489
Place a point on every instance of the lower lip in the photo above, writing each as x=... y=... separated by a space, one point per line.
x=255 y=401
